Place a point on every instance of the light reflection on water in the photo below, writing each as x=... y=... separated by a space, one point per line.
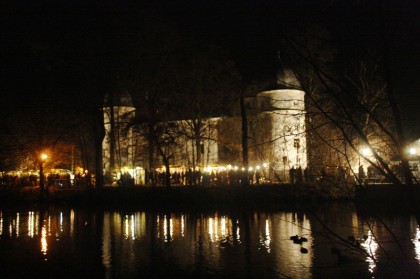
x=416 y=241
x=371 y=245
x=106 y=245
x=252 y=245
x=44 y=243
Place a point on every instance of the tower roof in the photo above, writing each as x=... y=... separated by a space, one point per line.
x=122 y=99
x=286 y=79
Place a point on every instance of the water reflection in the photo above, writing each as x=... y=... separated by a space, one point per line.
x=208 y=242
x=256 y=245
x=416 y=241
x=32 y=224
x=71 y=222
x=44 y=244
x=371 y=245
x=168 y=228
x=17 y=222
x=106 y=245
x=1 y=223
x=265 y=237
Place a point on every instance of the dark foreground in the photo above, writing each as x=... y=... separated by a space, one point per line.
x=66 y=241
x=161 y=197
x=387 y=197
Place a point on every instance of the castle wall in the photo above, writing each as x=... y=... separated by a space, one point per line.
x=276 y=131
x=122 y=138
x=284 y=109
x=185 y=150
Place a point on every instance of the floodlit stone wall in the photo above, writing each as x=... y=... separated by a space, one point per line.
x=276 y=130
x=285 y=110
x=123 y=137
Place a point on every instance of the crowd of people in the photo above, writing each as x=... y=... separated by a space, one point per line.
x=51 y=180
x=15 y=180
x=181 y=177
x=206 y=178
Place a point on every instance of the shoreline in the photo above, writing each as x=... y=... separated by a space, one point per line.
x=267 y=197
x=162 y=197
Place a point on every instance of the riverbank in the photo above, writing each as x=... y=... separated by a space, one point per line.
x=377 y=197
x=388 y=197
x=267 y=196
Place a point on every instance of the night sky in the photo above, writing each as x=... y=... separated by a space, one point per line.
x=59 y=48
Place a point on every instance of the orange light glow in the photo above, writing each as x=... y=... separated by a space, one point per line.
x=44 y=156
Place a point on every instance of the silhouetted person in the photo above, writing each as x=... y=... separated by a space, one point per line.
x=362 y=174
x=306 y=175
x=299 y=176
x=292 y=172
x=258 y=177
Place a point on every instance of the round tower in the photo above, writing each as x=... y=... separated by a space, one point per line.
x=282 y=108
x=118 y=146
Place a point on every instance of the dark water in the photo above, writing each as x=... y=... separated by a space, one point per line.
x=94 y=243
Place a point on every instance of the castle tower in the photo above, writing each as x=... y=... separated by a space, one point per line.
x=118 y=146
x=282 y=108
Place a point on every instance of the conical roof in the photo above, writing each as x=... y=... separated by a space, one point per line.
x=122 y=99
x=286 y=77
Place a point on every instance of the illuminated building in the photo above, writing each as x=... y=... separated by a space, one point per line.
x=119 y=146
x=278 y=126
x=276 y=116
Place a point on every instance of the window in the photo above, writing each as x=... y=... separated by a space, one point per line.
x=296 y=143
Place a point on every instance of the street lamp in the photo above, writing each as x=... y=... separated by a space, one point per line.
x=43 y=158
x=412 y=151
x=366 y=151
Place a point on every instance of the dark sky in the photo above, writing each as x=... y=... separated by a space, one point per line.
x=44 y=42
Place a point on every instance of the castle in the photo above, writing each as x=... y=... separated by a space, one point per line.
x=276 y=137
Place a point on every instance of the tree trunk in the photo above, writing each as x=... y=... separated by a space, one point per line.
x=167 y=173
x=406 y=172
x=197 y=137
x=151 y=155
x=99 y=137
x=111 y=138
x=245 y=176
x=43 y=195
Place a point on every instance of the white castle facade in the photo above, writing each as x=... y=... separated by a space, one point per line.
x=276 y=132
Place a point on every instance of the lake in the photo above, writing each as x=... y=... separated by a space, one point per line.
x=333 y=241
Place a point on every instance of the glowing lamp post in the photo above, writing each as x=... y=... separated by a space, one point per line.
x=43 y=158
x=412 y=151
x=366 y=152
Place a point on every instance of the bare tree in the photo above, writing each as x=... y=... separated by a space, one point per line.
x=207 y=86
x=354 y=110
